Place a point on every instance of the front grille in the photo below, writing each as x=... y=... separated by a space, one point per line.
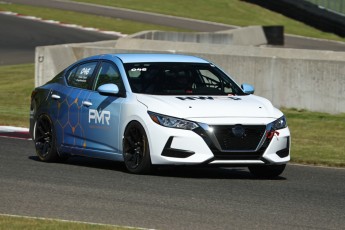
x=221 y=155
x=249 y=141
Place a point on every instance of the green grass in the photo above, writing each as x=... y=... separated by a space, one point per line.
x=317 y=138
x=16 y=84
x=19 y=223
x=86 y=20
x=232 y=12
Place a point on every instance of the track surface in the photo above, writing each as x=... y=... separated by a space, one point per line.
x=198 y=198
x=19 y=37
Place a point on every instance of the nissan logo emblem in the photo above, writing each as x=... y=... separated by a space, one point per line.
x=238 y=131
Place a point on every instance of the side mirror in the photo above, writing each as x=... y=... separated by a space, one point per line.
x=249 y=89
x=108 y=89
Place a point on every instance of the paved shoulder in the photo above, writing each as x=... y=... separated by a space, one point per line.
x=292 y=41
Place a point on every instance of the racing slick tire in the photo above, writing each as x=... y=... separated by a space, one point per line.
x=45 y=139
x=136 y=151
x=267 y=171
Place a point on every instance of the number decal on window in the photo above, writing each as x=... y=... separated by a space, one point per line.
x=85 y=71
x=139 y=69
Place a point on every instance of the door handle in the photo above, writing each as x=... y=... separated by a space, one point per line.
x=55 y=96
x=87 y=103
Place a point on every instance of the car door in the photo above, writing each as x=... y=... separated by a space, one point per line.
x=101 y=114
x=70 y=132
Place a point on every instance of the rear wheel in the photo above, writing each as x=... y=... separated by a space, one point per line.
x=44 y=138
x=136 y=151
x=267 y=171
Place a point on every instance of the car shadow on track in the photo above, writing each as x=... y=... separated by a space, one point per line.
x=199 y=172
x=196 y=172
x=88 y=162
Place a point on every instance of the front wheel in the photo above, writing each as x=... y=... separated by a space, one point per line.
x=267 y=171
x=136 y=151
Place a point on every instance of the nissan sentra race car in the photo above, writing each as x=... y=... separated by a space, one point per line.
x=157 y=109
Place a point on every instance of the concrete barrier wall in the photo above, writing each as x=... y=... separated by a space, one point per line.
x=315 y=85
x=50 y=60
x=303 y=79
x=252 y=35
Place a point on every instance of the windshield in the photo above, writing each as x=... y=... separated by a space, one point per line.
x=179 y=79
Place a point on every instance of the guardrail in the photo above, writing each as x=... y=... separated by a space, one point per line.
x=307 y=12
x=337 y=6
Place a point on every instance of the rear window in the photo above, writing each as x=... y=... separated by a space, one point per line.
x=80 y=76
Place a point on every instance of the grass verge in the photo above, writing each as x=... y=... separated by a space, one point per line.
x=86 y=20
x=232 y=12
x=28 y=223
x=16 y=84
x=317 y=138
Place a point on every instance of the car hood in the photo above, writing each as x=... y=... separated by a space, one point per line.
x=209 y=106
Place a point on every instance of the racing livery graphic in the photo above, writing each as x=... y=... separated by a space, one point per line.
x=157 y=109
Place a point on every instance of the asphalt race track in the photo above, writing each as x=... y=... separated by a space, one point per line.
x=174 y=198
x=19 y=37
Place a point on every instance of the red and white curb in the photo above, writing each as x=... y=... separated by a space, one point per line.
x=118 y=34
x=15 y=132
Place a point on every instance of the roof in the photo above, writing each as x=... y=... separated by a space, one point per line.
x=148 y=57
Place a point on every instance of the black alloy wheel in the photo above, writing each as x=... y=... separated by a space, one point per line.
x=136 y=151
x=44 y=138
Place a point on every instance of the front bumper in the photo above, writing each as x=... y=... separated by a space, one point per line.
x=204 y=146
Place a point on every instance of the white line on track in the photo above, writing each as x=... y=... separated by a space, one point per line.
x=19 y=132
x=316 y=166
x=71 y=221
x=18 y=138
x=13 y=129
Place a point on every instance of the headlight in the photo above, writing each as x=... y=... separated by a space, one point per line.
x=279 y=123
x=172 y=122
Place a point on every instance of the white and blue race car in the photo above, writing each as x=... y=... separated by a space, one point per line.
x=157 y=109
